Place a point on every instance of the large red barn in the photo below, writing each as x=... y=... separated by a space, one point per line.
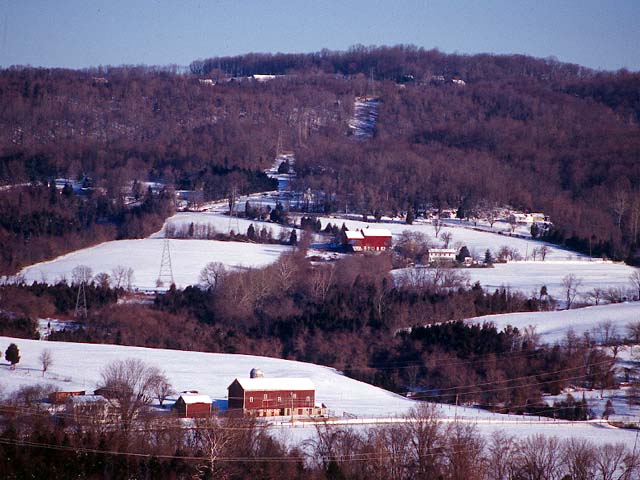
x=268 y=397
x=369 y=239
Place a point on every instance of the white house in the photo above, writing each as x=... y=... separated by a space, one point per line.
x=441 y=255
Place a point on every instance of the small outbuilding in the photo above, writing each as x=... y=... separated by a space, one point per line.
x=192 y=405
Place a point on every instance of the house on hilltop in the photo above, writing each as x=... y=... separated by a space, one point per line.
x=368 y=239
x=270 y=397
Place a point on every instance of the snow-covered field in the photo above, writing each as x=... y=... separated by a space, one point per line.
x=554 y=326
x=77 y=366
x=188 y=258
x=221 y=223
x=476 y=241
x=529 y=276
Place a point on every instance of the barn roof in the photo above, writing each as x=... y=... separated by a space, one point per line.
x=376 y=232
x=354 y=235
x=190 y=398
x=252 y=384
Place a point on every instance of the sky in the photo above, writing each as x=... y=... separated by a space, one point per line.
x=86 y=33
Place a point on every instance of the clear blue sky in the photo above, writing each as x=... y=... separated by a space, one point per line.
x=83 y=33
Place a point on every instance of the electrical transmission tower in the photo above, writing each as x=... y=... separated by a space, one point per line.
x=233 y=212
x=166 y=270
x=81 y=303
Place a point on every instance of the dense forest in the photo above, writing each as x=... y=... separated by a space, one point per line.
x=536 y=134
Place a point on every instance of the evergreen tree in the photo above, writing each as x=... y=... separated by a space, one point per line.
x=535 y=230
x=488 y=258
x=251 y=233
x=248 y=210
x=284 y=167
x=410 y=217
x=12 y=355
x=293 y=238
x=462 y=254
x=608 y=410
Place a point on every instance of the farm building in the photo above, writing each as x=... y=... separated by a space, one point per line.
x=81 y=407
x=269 y=397
x=441 y=255
x=192 y=405
x=368 y=239
x=61 y=397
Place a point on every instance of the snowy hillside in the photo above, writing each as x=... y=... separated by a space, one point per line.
x=554 y=326
x=77 y=366
x=188 y=258
x=529 y=277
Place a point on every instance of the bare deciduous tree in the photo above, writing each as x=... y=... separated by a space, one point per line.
x=46 y=360
x=212 y=275
x=580 y=459
x=570 y=284
x=81 y=274
x=122 y=277
x=539 y=457
x=322 y=280
x=446 y=238
x=437 y=226
x=129 y=386
x=634 y=278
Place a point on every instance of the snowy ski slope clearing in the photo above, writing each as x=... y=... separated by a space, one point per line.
x=554 y=326
x=76 y=366
x=188 y=258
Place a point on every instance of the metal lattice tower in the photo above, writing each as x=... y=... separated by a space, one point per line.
x=81 y=303
x=166 y=270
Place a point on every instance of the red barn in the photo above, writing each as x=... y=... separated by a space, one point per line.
x=193 y=405
x=268 y=397
x=61 y=397
x=369 y=239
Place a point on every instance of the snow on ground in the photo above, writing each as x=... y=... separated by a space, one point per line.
x=188 y=258
x=554 y=326
x=476 y=241
x=76 y=366
x=597 y=400
x=365 y=116
x=529 y=276
x=598 y=433
x=221 y=223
